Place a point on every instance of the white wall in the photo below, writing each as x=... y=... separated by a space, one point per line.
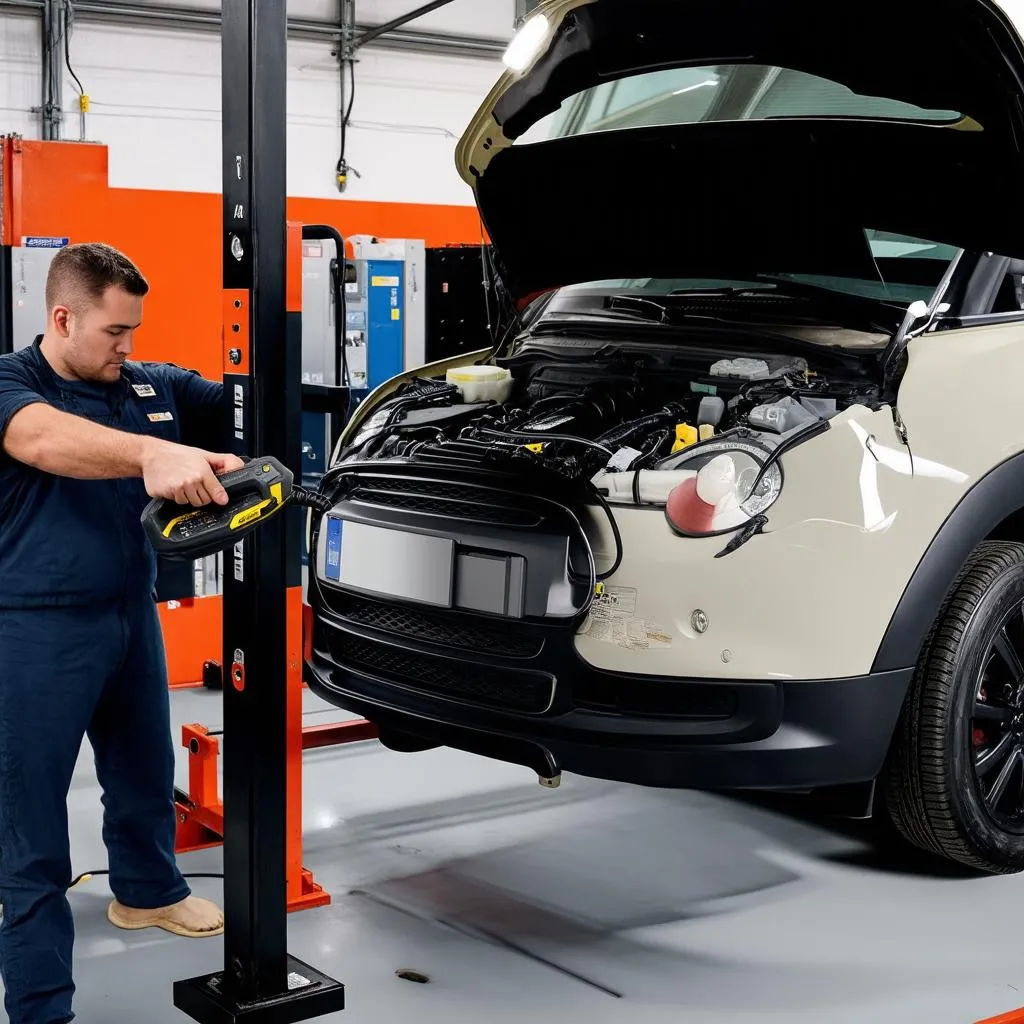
x=155 y=101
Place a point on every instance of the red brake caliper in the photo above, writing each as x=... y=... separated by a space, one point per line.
x=979 y=734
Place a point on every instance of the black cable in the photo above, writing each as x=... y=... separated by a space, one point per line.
x=346 y=115
x=106 y=871
x=601 y=577
x=812 y=430
x=67 y=47
x=341 y=323
x=514 y=435
x=310 y=499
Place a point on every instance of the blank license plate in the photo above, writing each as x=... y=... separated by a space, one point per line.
x=392 y=562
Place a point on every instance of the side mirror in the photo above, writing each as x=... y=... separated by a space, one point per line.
x=918 y=310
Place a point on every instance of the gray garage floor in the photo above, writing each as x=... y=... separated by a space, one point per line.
x=590 y=903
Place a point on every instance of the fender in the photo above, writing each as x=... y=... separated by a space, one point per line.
x=993 y=499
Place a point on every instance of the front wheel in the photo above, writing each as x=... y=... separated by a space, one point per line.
x=954 y=780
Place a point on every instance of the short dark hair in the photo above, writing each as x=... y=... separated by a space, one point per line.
x=89 y=269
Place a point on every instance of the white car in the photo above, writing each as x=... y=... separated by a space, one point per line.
x=735 y=499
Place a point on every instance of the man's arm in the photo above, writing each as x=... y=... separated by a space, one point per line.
x=66 y=445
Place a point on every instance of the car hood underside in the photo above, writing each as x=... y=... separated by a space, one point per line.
x=729 y=198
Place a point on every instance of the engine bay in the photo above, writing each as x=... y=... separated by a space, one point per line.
x=588 y=411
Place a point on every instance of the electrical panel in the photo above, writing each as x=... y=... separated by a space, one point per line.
x=385 y=327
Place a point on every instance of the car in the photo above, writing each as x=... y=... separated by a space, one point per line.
x=732 y=499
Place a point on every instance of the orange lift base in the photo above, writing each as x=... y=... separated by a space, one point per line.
x=201 y=812
x=1013 y=1017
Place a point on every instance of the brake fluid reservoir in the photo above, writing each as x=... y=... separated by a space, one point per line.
x=481 y=383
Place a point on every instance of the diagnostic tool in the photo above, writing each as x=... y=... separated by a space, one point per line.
x=256 y=492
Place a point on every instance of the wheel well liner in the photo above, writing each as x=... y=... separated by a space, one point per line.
x=993 y=507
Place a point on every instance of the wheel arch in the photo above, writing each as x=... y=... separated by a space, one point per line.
x=993 y=509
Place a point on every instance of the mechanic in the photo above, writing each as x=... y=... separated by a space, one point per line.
x=86 y=438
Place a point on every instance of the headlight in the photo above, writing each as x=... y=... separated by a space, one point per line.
x=717 y=488
x=727 y=490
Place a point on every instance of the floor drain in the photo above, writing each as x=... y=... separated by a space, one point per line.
x=417 y=976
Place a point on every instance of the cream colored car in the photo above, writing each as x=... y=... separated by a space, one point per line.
x=734 y=497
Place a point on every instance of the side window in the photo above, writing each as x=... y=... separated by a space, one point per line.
x=1010 y=296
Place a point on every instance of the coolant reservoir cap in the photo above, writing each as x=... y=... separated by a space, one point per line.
x=473 y=374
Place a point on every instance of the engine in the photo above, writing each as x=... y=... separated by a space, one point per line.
x=584 y=418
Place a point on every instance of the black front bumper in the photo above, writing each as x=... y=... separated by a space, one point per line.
x=472 y=688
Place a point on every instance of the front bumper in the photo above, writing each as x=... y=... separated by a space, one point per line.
x=406 y=635
x=652 y=731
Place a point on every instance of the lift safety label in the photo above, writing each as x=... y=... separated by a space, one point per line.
x=613 y=620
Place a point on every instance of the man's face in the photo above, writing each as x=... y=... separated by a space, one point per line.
x=97 y=334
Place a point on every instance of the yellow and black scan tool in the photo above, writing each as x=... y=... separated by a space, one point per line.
x=256 y=492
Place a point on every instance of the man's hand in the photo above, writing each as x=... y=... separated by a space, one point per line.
x=185 y=475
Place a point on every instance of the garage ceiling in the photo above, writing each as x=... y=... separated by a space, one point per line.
x=488 y=19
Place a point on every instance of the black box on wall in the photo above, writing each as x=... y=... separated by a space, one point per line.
x=457 y=301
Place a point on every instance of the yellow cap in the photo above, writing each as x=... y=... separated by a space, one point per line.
x=685 y=436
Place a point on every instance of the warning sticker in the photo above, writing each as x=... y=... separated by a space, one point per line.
x=613 y=620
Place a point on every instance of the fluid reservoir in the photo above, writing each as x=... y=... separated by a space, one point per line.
x=481 y=383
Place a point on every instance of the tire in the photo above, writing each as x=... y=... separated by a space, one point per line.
x=931 y=788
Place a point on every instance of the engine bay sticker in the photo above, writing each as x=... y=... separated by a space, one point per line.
x=613 y=620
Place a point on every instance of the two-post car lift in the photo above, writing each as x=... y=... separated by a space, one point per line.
x=259 y=982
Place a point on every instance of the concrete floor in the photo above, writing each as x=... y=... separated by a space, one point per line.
x=593 y=902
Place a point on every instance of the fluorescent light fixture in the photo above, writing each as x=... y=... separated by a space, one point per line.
x=526 y=43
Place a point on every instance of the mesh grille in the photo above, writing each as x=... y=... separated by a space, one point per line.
x=436 y=629
x=487 y=687
x=655 y=699
x=457 y=501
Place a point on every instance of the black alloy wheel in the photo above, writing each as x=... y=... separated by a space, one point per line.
x=953 y=784
x=997 y=725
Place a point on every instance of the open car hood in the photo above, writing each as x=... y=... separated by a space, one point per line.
x=929 y=144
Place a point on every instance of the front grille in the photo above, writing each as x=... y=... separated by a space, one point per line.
x=655 y=698
x=435 y=629
x=501 y=689
x=453 y=501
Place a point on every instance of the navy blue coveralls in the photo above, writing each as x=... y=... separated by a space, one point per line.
x=81 y=653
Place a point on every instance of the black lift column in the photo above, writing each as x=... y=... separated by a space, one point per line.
x=260 y=982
